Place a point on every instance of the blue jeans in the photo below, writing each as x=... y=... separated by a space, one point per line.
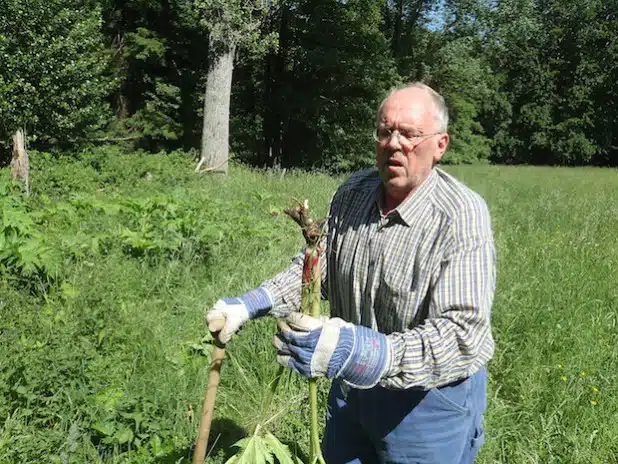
x=439 y=426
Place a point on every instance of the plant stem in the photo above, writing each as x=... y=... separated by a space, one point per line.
x=316 y=294
x=310 y=304
x=316 y=453
x=269 y=398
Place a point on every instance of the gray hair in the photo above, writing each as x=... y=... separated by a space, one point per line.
x=440 y=109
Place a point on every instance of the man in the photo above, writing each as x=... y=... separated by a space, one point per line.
x=409 y=270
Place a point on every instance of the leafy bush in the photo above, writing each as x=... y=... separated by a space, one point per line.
x=56 y=80
x=108 y=362
x=110 y=167
x=26 y=256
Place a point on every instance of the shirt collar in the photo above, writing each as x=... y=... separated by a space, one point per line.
x=412 y=205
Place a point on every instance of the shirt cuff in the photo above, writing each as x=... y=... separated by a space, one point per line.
x=397 y=347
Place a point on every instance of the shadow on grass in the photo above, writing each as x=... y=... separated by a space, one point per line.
x=223 y=434
x=296 y=450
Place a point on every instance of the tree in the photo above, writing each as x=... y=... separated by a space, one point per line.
x=323 y=85
x=231 y=24
x=159 y=61
x=465 y=81
x=341 y=69
x=518 y=53
x=456 y=66
x=54 y=76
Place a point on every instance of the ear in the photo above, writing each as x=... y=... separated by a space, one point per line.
x=441 y=147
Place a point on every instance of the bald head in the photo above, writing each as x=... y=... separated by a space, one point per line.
x=418 y=93
x=410 y=139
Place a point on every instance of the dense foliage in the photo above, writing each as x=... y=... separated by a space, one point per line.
x=527 y=81
x=105 y=270
x=53 y=70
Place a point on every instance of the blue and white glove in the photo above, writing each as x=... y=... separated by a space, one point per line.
x=333 y=348
x=232 y=313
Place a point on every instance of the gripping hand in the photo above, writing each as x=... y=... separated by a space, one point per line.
x=332 y=348
x=236 y=311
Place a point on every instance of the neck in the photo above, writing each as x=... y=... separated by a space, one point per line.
x=390 y=201
x=392 y=198
x=388 y=205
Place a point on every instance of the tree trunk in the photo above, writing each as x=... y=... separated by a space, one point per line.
x=275 y=106
x=20 y=165
x=216 y=128
x=398 y=32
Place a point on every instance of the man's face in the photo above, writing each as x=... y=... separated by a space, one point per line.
x=406 y=161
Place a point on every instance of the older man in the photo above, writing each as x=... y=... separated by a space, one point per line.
x=409 y=271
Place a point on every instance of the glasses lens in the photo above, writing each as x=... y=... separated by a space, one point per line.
x=382 y=134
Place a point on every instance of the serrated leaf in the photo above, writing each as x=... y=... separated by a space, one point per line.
x=278 y=449
x=253 y=451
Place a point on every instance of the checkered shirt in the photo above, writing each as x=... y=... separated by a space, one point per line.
x=424 y=275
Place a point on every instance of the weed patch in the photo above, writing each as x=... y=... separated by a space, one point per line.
x=105 y=273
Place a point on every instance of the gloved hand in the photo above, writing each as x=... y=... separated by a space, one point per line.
x=332 y=348
x=236 y=311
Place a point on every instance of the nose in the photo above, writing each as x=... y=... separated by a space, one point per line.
x=393 y=141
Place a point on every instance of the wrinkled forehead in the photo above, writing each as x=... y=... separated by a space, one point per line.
x=408 y=107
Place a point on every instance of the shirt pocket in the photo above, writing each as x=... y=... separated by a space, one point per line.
x=395 y=306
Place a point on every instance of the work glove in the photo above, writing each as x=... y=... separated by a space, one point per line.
x=333 y=348
x=234 y=312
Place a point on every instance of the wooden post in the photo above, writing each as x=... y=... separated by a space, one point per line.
x=201 y=444
x=20 y=166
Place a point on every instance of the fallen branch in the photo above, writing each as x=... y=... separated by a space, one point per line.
x=199 y=165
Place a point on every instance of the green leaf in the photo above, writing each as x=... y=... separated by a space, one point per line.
x=69 y=292
x=124 y=436
x=254 y=451
x=105 y=428
x=278 y=449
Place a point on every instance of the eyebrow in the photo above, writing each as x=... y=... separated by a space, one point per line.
x=407 y=127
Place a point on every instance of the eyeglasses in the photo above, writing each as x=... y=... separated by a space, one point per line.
x=384 y=134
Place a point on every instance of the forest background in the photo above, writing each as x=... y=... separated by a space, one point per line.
x=526 y=81
x=107 y=265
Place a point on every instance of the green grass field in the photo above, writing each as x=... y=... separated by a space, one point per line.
x=108 y=266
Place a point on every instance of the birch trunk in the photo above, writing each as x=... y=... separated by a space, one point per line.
x=216 y=128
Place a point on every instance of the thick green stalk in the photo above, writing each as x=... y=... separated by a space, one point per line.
x=316 y=293
x=310 y=303
x=315 y=456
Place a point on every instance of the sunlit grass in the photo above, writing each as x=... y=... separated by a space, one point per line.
x=553 y=379
x=130 y=337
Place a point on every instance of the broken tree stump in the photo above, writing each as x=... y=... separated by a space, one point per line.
x=20 y=166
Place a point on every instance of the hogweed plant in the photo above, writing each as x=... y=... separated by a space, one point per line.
x=310 y=302
x=262 y=446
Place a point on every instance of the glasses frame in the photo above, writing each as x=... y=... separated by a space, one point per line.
x=400 y=138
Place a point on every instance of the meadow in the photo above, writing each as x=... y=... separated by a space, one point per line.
x=107 y=267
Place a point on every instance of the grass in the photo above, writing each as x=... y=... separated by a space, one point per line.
x=110 y=362
x=553 y=380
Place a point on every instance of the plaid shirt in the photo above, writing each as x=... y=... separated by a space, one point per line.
x=424 y=275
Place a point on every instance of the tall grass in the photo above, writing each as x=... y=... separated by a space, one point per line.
x=110 y=362
x=554 y=377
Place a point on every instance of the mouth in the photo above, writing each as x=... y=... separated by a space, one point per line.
x=393 y=163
